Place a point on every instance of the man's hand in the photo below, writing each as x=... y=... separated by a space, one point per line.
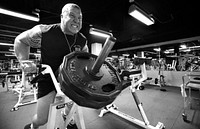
x=28 y=66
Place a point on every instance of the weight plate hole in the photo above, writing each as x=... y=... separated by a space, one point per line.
x=108 y=87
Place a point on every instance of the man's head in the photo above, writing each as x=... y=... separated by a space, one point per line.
x=71 y=19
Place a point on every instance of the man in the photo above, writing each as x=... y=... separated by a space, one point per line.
x=55 y=41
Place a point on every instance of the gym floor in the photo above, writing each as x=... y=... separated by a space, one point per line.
x=159 y=106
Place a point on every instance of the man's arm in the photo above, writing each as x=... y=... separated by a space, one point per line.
x=22 y=44
x=27 y=39
x=21 y=48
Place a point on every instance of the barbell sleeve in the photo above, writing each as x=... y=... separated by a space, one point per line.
x=110 y=41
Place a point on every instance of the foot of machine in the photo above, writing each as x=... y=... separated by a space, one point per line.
x=106 y=109
x=160 y=126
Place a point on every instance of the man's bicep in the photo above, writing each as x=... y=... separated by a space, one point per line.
x=34 y=37
x=31 y=37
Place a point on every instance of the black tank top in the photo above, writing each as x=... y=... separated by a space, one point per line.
x=54 y=46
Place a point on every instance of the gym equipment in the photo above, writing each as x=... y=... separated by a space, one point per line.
x=161 y=78
x=88 y=80
x=125 y=75
x=9 y=75
x=56 y=119
x=113 y=109
x=24 y=92
x=190 y=81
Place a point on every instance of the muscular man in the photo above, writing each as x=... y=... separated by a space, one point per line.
x=55 y=41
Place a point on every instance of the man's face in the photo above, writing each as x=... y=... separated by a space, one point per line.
x=72 y=21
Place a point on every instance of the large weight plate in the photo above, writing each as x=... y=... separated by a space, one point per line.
x=82 y=87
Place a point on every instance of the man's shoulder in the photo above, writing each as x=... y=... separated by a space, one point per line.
x=46 y=27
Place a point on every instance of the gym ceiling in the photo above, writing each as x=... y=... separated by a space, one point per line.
x=176 y=22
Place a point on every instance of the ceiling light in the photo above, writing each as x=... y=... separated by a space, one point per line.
x=6 y=44
x=100 y=33
x=157 y=49
x=183 y=46
x=20 y=15
x=12 y=54
x=11 y=50
x=166 y=51
x=139 y=14
x=125 y=55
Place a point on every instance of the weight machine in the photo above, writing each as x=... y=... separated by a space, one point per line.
x=24 y=92
x=190 y=81
x=97 y=84
x=161 y=78
x=113 y=108
x=84 y=80
x=56 y=119
x=16 y=75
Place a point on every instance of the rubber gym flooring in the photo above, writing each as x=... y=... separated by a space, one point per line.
x=159 y=106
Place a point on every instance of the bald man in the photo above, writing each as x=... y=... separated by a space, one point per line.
x=55 y=41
